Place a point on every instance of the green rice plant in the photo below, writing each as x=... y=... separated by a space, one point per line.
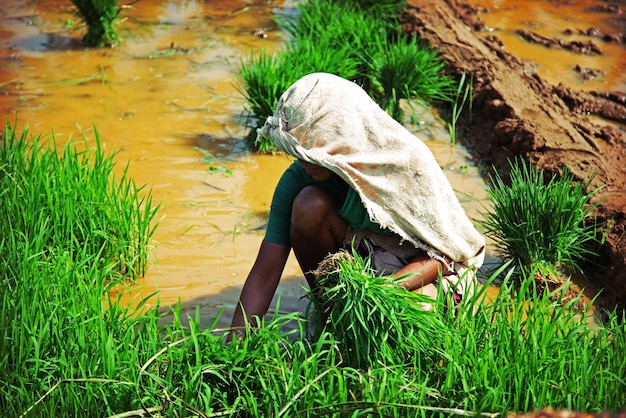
x=332 y=24
x=335 y=37
x=73 y=197
x=316 y=46
x=101 y=17
x=323 y=53
x=100 y=75
x=390 y=67
x=266 y=77
x=69 y=347
x=263 y=82
x=538 y=222
x=385 y=9
x=462 y=95
x=406 y=70
x=71 y=232
x=376 y=320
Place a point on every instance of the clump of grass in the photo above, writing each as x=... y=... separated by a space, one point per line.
x=526 y=349
x=266 y=76
x=384 y=9
x=539 y=222
x=70 y=232
x=313 y=47
x=406 y=70
x=101 y=17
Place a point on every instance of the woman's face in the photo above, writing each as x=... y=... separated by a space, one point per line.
x=317 y=172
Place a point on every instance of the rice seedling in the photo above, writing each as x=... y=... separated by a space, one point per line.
x=385 y=9
x=524 y=351
x=71 y=193
x=406 y=70
x=100 y=75
x=263 y=88
x=462 y=95
x=263 y=81
x=101 y=17
x=216 y=166
x=537 y=222
x=69 y=233
x=333 y=25
x=313 y=48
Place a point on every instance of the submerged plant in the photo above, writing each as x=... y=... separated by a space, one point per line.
x=100 y=16
x=534 y=222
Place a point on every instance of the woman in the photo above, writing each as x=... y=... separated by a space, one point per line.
x=360 y=179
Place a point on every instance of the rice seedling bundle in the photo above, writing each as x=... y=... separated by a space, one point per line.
x=100 y=16
x=537 y=222
x=376 y=320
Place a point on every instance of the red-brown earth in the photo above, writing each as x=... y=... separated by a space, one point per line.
x=517 y=113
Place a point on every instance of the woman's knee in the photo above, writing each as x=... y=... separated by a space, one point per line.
x=312 y=208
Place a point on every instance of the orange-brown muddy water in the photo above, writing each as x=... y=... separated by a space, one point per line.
x=552 y=19
x=166 y=96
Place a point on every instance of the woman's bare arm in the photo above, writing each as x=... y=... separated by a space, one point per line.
x=261 y=284
x=420 y=272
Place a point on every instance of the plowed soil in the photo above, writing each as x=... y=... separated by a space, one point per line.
x=517 y=113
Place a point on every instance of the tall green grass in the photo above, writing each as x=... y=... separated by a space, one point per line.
x=406 y=70
x=524 y=351
x=69 y=230
x=66 y=201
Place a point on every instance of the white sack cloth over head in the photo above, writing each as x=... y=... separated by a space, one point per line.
x=332 y=122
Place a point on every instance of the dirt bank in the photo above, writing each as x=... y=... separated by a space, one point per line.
x=516 y=112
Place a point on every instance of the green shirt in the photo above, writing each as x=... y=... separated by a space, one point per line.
x=293 y=180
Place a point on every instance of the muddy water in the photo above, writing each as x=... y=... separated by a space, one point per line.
x=551 y=19
x=162 y=100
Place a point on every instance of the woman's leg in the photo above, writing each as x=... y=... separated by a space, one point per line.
x=316 y=229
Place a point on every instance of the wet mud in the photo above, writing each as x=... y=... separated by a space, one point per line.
x=517 y=113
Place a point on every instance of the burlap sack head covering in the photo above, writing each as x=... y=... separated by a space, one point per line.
x=332 y=122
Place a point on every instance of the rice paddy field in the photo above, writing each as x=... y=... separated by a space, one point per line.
x=69 y=350
x=77 y=229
